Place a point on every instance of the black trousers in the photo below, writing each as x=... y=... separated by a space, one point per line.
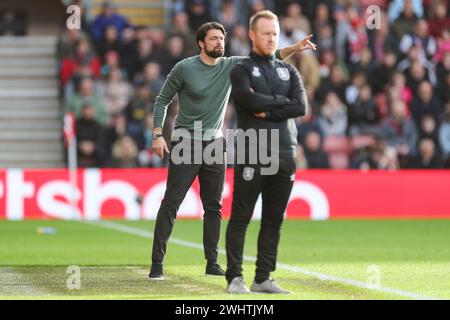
x=275 y=189
x=179 y=180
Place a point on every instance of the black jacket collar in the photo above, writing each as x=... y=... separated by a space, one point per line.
x=259 y=58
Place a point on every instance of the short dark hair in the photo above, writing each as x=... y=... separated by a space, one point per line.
x=204 y=28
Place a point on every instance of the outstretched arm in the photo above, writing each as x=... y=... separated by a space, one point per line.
x=301 y=45
x=284 y=53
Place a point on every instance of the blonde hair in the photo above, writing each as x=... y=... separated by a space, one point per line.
x=267 y=14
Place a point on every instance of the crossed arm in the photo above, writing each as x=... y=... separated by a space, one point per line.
x=275 y=108
x=271 y=107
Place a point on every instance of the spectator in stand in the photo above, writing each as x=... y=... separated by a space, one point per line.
x=407 y=19
x=335 y=82
x=398 y=8
x=84 y=71
x=116 y=92
x=444 y=135
x=429 y=129
x=366 y=63
x=427 y=158
x=378 y=156
x=259 y=5
x=294 y=11
x=308 y=122
x=89 y=133
x=358 y=79
x=413 y=57
x=382 y=102
x=87 y=95
x=342 y=28
x=309 y=67
x=198 y=12
x=171 y=54
x=176 y=6
x=333 y=116
x=439 y=19
x=445 y=94
x=421 y=39
x=325 y=38
x=363 y=114
x=415 y=75
x=109 y=42
x=129 y=52
x=151 y=77
x=145 y=53
x=327 y=61
x=239 y=45
x=107 y=17
x=307 y=62
x=313 y=103
x=67 y=43
x=180 y=27
x=383 y=39
x=443 y=45
x=426 y=103
x=228 y=16
x=112 y=62
x=382 y=74
x=84 y=55
x=140 y=106
x=288 y=34
x=124 y=153
x=399 y=130
x=322 y=18
x=316 y=158
x=356 y=41
x=117 y=128
x=397 y=88
x=240 y=6
x=443 y=77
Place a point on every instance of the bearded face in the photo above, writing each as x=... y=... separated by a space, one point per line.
x=214 y=43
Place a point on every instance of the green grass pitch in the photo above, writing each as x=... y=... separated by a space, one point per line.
x=381 y=259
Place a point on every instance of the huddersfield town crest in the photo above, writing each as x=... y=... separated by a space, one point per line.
x=248 y=173
x=283 y=73
x=256 y=72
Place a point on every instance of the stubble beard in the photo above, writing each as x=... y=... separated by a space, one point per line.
x=214 y=53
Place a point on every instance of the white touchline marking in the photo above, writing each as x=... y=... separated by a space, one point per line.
x=314 y=274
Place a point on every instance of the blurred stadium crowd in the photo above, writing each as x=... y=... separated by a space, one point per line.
x=379 y=98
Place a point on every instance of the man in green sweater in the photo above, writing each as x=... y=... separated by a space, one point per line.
x=202 y=83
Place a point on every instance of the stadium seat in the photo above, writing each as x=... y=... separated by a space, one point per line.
x=333 y=144
x=361 y=141
x=338 y=160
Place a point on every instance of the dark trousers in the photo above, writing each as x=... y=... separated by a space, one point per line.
x=275 y=190
x=179 y=180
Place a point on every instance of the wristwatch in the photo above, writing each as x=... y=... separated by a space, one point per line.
x=156 y=135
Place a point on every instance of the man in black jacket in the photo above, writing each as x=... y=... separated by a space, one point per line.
x=268 y=95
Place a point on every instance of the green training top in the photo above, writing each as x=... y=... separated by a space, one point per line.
x=203 y=92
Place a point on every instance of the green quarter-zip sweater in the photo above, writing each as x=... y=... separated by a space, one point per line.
x=203 y=92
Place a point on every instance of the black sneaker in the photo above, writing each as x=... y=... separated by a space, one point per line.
x=156 y=272
x=214 y=270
